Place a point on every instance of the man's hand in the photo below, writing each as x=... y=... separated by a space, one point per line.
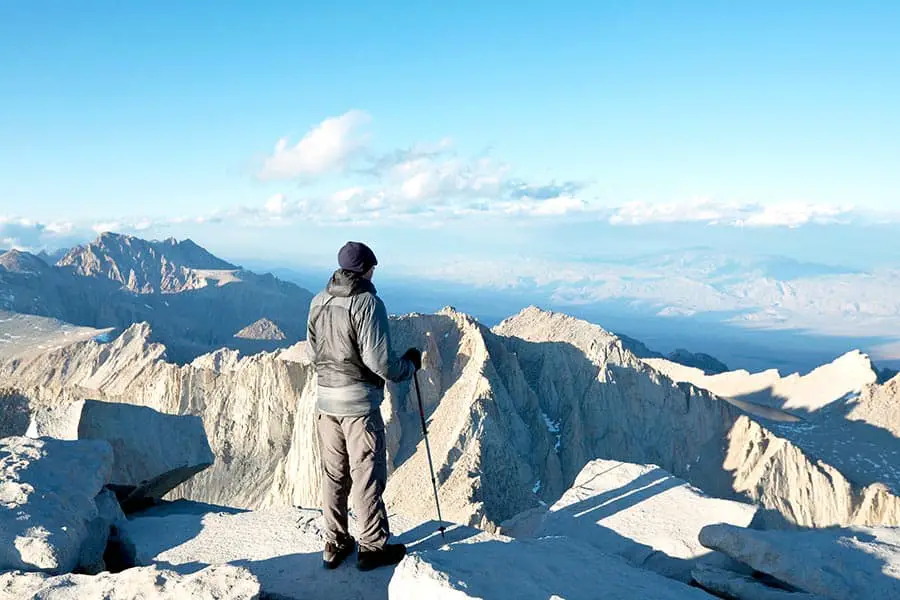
x=414 y=356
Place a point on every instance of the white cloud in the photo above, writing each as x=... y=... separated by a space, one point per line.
x=276 y=204
x=59 y=228
x=641 y=213
x=426 y=178
x=795 y=215
x=28 y=234
x=146 y=226
x=432 y=179
x=347 y=195
x=550 y=207
x=441 y=177
x=428 y=184
x=107 y=226
x=327 y=147
x=729 y=213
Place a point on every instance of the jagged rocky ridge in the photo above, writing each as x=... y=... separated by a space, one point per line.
x=144 y=267
x=838 y=412
x=515 y=413
x=194 y=301
x=879 y=405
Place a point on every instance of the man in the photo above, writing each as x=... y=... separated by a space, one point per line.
x=349 y=338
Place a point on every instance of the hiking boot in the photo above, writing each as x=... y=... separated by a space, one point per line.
x=391 y=554
x=335 y=554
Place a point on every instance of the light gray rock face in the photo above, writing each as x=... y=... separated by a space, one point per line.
x=848 y=422
x=24 y=334
x=638 y=415
x=529 y=569
x=644 y=514
x=154 y=452
x=514 y=415
x=743 y=587
x=879 y=405
x=148 y=583
x=282 y=547
x=48 y=510
x=842 y=564
x=525 y=524
x=257 y=411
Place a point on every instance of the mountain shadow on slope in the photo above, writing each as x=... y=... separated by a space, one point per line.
x=706 y=363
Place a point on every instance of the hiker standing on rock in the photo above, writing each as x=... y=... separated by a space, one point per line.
x=349 y=338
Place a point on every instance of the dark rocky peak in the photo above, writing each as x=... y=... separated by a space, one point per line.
x=19 y=261
x=706 y=363
x=194 y=256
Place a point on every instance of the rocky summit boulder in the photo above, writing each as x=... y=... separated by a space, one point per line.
x=644 y=514
x=154 y=452
x=48 y=512
x=281 y=546
x=148 y=583
x=529 y=569
x=836 y=563
x=729 y=584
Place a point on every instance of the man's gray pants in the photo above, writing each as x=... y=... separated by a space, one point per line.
x=354 y=465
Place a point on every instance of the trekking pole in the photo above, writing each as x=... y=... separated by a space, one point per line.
x=428 y=453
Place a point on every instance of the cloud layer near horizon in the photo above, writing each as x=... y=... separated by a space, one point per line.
x=433 y=182
x=732 y=214
x=425 y=185
x=427 y=179
x=23 y=233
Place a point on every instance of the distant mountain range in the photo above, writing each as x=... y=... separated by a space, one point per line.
x=145 y=267
x=197 y=302
x=193 y=301
x=706 y=363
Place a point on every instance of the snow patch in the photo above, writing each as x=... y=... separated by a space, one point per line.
x=104 y=338
x=554 y=428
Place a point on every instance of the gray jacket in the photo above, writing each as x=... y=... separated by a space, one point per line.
x=350 y=343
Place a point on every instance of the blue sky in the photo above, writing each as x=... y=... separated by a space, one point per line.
x=516 y=129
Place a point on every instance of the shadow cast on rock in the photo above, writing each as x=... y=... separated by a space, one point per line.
x=864 y=453
x=301 y=575
x=580 y=520
x=838 y=563
x=15 y=413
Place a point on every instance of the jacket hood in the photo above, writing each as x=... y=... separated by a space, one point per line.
x=347 y=283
